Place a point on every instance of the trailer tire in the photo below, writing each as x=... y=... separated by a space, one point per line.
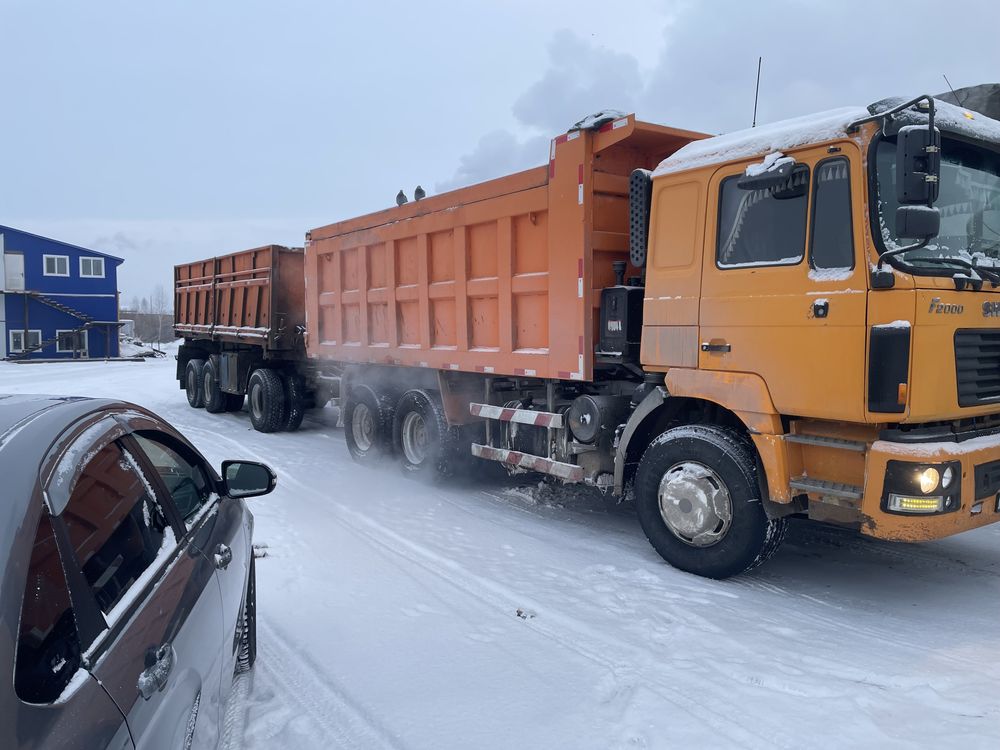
x=421 y=435
x=193 y=375
x=234 y=401
x=214 y=398
x=689 y=480
x=294 y=390
x=368 y=418
x=267 y=400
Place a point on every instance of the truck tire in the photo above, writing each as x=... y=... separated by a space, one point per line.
x=214 y=398
x=421 y=434
x=368 y=425
x=234 y=401
x=193 y=377
x=267 y=400
x=698 y=501
x=294 y=390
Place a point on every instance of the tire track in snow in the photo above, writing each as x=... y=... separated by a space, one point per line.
x=344 y=723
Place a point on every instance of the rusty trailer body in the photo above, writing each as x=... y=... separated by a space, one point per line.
x=503 y=277
x=249 y=297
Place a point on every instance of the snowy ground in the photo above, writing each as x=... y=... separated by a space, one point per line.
x=388 y=614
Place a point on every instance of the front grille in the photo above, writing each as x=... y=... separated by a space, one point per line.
x=977 y=365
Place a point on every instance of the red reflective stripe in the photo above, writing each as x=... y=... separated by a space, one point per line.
x=579 y=268
x=579 y=175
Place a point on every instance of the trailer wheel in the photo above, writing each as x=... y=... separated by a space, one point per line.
x=421 y=433
x=234 y=401
x=193 y=376
x=214 y=398
x=267 y=400
x=698 y=502
x=368 y=424
x=294 y=390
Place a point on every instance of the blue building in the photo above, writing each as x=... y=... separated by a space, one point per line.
x=57 y=300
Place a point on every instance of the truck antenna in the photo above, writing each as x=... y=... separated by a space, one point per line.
x=756 y=93
x=957 y=100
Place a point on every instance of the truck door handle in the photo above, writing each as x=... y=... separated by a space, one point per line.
x=821 y=308
x=223 y=556
x=718 y=346
x=159 y=663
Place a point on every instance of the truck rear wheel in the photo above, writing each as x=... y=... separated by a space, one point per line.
x=215 y=399
x=267 y=401
x=193 y=376
x=421 y=434
x=294 y=390
x=699 y=503
x=368 y=424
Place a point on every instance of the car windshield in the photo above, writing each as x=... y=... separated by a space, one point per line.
x=969 y=202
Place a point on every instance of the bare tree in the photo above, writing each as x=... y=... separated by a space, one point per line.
x=159 y=306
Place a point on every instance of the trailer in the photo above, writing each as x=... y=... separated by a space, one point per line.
x=242 y=320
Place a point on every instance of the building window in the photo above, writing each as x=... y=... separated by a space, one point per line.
x=764 y=227
x=17 y=340
x=92 y=268
x=71 y=341
x=56 y=265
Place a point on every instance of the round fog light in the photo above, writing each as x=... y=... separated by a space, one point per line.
x=929 y=479
x=946 y=478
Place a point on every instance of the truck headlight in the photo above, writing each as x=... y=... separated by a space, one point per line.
x=929 y=479
x=913 y=488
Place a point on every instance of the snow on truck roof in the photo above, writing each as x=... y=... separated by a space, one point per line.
x=822 y=126
x=777 y=136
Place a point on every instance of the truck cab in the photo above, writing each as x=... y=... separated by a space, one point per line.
x=863 y=363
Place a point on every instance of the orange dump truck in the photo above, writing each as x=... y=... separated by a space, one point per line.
x=798 y=319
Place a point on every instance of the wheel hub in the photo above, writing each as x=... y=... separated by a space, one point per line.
x=257 y=400
x=415 y=438
x=363 y=427
x=695 y=504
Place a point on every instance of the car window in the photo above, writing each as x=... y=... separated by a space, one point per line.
x=183 y=477
x=48 y=644
x=832 y=240
x=116 y=527
x=763 y=227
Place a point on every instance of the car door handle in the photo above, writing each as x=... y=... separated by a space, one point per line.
x=715 y=346
x=821 y=308
x=223 y=556
x=159 y=663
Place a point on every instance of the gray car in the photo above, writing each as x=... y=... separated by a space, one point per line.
x=126 y=578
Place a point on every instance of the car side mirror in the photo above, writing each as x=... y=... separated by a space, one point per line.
x=918 y=164
x=247 y=478
x=917 y=222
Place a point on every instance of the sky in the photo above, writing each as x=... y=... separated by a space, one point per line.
x=163 y=132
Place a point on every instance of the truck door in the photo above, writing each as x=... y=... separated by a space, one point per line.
x=785 y=283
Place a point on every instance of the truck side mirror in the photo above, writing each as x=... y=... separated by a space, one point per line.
x=640 y=195
x=918 y=164
x=917 y=222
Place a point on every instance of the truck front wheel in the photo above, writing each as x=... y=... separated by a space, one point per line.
x=368 y=424
x=699 y=502
x=193 y=377
x=267 y=401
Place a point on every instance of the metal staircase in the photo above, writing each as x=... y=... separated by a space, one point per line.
x=87 y=322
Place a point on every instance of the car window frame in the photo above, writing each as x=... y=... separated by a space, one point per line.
x=189 y=454
x=96 y=629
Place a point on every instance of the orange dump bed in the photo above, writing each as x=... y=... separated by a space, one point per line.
x=250 y=297
x=500 y=277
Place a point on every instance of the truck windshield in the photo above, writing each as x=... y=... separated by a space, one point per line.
x=969 y=202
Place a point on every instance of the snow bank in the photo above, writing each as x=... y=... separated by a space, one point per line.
x=777 y=136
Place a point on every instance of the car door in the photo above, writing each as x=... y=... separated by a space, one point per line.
x=765 y=309
x=158 y=596
x=55 y=703
x=215 y=525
